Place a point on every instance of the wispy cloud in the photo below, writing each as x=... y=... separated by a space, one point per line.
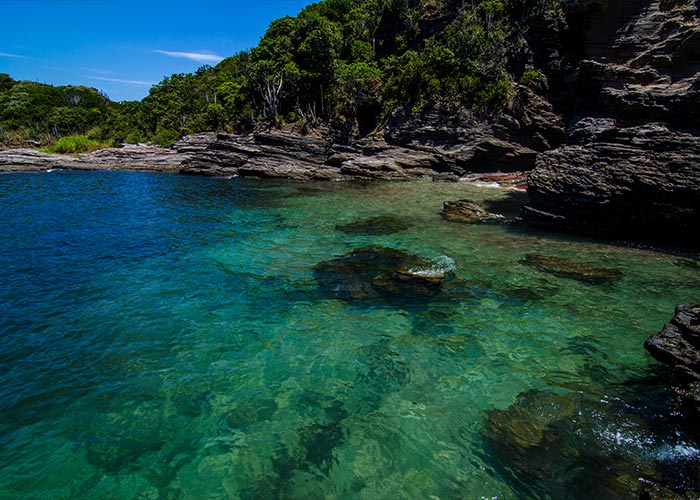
x=16 y=56
x=200 y=57
x=138 y=83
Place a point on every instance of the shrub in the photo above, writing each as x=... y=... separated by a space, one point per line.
x=74 y=144
x=534 y=79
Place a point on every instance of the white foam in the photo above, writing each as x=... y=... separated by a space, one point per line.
x=669 y=453
x=441 y=266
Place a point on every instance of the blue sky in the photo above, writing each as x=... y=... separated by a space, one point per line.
x=124 y=47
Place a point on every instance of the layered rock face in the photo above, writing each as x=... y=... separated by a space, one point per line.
x=636 y=182
x=437 y=145
x=630 y=167
x=128 y=157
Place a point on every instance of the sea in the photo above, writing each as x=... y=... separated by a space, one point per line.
x=175 y=337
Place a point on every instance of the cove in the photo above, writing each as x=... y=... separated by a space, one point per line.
x=174 y=337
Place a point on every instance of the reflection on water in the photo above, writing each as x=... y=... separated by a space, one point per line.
x=168 y=337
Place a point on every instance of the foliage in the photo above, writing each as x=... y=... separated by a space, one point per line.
x=74 y=144
x=534 y=79
x=345 y=62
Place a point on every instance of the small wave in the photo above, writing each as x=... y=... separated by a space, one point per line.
x=441 y=266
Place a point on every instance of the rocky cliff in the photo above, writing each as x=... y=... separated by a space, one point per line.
x=625 y=75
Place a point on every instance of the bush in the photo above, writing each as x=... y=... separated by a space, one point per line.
x=166 y=136
x=534 y=79
x=74 y=144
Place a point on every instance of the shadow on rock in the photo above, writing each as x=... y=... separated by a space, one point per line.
x=510 y=205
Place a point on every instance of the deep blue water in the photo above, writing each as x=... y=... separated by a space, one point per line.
x=166 y=337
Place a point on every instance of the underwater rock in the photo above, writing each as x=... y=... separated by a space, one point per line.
x=466 y=211
x=572 y=269
x=383 y=224
x=523 y=435
x=566 y=446
x=378 y=272
x=410 y=283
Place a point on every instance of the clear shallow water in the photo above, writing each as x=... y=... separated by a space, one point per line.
x=164 y=337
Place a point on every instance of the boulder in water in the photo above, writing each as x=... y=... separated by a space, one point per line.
x=409 y=282
x=376 y=272
x=466 y=211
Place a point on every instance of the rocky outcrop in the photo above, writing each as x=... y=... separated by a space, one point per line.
x=23 y=160
x=636 y=182
x=128 y=157
x=678 y=345
x=428 y=151
x=629 y=168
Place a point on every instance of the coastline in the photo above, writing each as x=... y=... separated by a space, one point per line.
x=277 y=154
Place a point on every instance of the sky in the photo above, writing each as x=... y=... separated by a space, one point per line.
x=124 y=47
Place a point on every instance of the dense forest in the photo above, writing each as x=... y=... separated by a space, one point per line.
x=344 y=63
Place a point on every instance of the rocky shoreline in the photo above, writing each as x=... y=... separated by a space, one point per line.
x=613 y=140
x=128 y=157
x=282 y=154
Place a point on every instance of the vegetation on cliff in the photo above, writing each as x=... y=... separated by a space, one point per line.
x=347 y=63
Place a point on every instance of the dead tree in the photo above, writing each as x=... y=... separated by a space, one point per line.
x=271 y=92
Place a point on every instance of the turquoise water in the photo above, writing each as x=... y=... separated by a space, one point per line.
x=165 y=337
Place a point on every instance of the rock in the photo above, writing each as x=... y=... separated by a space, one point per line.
x=628 y=168
x=376 y=272
x=508 y=180
x=572 y=269
x=409 y=283
x=640 y=182
x=23 y=160
x=380 y=225
x=130 y=157
x=466 y=211
x=127 y=157
x=678 y=343
x=549 y=446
